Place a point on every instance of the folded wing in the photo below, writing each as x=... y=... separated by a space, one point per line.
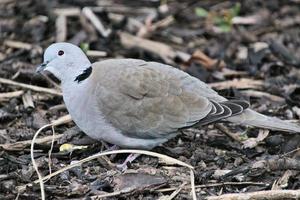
x=150 y=100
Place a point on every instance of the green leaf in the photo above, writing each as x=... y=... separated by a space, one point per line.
x=234 y=11
x=201 y=12
x=218 y=20
x=225 y=27
x=84 y=47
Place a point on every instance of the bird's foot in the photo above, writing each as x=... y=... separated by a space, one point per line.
x=123 y=167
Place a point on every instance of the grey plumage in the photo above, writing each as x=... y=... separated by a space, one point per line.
x=139 y=104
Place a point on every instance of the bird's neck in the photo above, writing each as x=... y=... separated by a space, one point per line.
x=73 y=89
x=84 y=75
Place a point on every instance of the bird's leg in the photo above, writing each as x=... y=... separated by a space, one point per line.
x=123 y=167
x=108 y=147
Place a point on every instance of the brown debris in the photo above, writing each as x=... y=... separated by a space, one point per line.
x=207 y=62
x=164 y=51
x=137 y=181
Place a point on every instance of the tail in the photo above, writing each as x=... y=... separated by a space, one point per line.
x=253 y=118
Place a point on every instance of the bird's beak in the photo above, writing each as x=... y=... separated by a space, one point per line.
x=41 y=67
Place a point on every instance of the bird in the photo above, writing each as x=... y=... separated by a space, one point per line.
x=138 y=104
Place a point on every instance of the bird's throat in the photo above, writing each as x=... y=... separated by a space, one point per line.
x=84 y=75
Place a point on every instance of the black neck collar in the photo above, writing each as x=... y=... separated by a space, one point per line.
x=85 y=74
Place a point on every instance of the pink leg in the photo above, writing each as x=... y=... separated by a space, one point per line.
x=123 y=167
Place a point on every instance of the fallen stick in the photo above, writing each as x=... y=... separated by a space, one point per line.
x=215 y=185
x=261 y=195
x=260 y=94
x=21 y=145
x=148 y=28
x=116 y=8
x=67 y=11
x=28 y=100
x=95 y=53
x=230 y=134
x=243 y=83
x=8 y=95
x=164 y=51
x=61 y=28
x=22 y=45
x=96 y=22
x=31 y=87
x=206 y=61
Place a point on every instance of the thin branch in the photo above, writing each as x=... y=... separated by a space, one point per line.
x=31 y=87
x=270 y=195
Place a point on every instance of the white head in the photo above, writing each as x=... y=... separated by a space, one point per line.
x=65 y=61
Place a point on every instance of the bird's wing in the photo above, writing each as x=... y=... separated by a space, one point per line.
x=146 y=100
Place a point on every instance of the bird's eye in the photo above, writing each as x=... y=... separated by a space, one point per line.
x=60 y=52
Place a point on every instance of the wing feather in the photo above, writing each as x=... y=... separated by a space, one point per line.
x=152 y=100
x=145 y=102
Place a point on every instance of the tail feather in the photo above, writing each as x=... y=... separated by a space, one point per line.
x=253 y=118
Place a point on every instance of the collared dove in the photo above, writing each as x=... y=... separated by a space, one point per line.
x=137 y=104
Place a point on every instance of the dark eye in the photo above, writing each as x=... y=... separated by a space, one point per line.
x=60 y=52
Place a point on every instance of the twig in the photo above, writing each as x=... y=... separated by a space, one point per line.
x=51 y=81
x=206 y=61
x=277 y=163
x=282 y=182
x=57 y=107
x=290 y=152
x=8 y=95
x=96 y=22
x=31 y=87
x=243 y=83
x=253 y=142
x=18 y=146
x=215 y=185
x=261 y=195
x=102 y=196
x=226 y=72
x=22 y=45
x=225 y=130
x=174 y=194
x=125 y=10
x=147 y=29
x=164 y=51
x=93 y=53
x=61 y=28
x=50 y=150
x=193 y=184
x=62 y=120
x=89 y=31
x=260 y=94
x=34 y=163
x=27 y=100
x=67 y=11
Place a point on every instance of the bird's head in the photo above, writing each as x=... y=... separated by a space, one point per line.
x=65 y=61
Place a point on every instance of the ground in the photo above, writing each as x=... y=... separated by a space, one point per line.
x=243 y=49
